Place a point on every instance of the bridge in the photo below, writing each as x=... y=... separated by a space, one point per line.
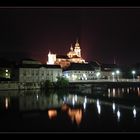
x=104 y=83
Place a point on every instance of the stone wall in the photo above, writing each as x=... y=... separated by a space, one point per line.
x=10 y=85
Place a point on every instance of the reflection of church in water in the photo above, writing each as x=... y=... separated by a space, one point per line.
x=73 y=56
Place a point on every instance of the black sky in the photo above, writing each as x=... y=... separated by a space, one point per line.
x=103 y=33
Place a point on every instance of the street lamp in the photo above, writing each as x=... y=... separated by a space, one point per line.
x=113 y=74
x=133 y=73
x=118 y=72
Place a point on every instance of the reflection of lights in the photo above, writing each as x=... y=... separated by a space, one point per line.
x=64 y=98
x=118 y=91
x=134 y=112
x=98 y=107
x=76 y=98
x=108 y=90
x=97 y=102
x=122 y=89
x=75 y=114
x=113 y=106
x=138 y=91
x=64 y=107
x=78 y=116
x=127 y=90
x=52 y=113
x=73 y=101
x=113 y=92
x=84 y=105
x=85 y=101
x=6 y=103
x=37 y=96
x=118 y=115
x=108 y=95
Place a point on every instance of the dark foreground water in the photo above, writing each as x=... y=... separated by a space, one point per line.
x=114 y=110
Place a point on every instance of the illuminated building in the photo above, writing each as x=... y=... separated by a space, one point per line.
x=35 y=72
x=80 y=71
x=51 y=58
x=73 y=56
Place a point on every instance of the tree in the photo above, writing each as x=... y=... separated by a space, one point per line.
x=48 y=84
x=62 y=82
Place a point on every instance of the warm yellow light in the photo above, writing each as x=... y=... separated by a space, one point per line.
x=64 y=107
x=52 y=113
x=6 y=103
x=75 y=114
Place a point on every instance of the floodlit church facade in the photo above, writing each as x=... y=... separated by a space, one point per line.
x=73 y=56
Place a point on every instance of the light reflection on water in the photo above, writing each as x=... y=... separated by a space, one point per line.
x=121 y=92
x=78 y=108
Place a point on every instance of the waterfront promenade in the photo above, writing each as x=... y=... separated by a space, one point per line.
x=15 y=85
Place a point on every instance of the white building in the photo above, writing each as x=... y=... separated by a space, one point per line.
x=109 y=71
x=39 y=73
x=77 y=71
x=51 y=58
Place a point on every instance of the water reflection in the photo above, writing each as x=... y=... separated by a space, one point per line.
x=75 y=114
x=78 y=108
x=121 y=92
x=118 y=115
x=98 y=107
x=52 y=113
x=113 y=107
x=6 y=103
x=134 y=112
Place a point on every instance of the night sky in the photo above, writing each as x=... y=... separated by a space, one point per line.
x=103 y=33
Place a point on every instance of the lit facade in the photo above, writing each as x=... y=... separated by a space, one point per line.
x=38 y=74
x=73 y=56
x=51 y=58
x=77 y=71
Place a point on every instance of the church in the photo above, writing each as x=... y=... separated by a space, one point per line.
x=73 y=56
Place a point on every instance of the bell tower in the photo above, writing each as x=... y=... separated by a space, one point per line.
x=51 y=58
x=77 y=49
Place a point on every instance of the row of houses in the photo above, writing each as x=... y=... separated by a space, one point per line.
x=33 y=71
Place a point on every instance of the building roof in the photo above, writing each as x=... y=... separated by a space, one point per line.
x=75 y=56
x=108 y=67
x=51 y=66
x=94 y=63
x=62 y=56
x=29 y=61
x=80 y=66
x=38 y=66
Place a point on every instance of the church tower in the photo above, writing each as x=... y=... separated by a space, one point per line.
x=77 y=49
x=51 y=58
